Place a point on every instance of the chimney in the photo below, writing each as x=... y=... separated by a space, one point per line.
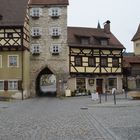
x=107 y=27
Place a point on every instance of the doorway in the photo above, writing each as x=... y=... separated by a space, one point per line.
x=99 y=86
x=46 y=83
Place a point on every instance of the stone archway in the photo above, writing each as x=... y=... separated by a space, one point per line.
x=45 y=83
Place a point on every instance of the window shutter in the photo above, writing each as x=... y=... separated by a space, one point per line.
x=40 y=11
x=51 y=49
x=5 y=85
x=59 y=31
x=32 y=48
x=19 y=85
x=31 y=12
x=40 y=48
x=32 y=32
x=59 y=11
x=59 y=48
x=40 y=31
x=50 y=12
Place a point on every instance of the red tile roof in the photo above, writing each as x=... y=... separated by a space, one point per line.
x=128 y=60
x=13 y=12
x=137 y=34
x=49 y=2
x=92 y=32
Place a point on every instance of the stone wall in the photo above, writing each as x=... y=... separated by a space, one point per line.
x=58 y=64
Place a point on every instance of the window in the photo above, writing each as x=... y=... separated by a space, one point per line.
x=35 y=49
x=55 y=49
x=91 y=62
x=78 y=61
x=36 y=31
x=85 y=41
x=81 y=84
x=137 y=44
x=112 y=82
x=1 y=85
x=36 y=12
x=9 y=35
x=13 y=85
x=13 y=61
x=138 y=83
x=115 y=62
x=0 y=61
x=104 y=42
x=55 y=31
x=104 y=62
x=55 y=12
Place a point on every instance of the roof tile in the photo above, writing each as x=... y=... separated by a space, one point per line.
x=49 y=2
x=13 y=12
x=137 y=34
x=92 y=32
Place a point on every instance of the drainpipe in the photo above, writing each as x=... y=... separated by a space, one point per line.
x=22 y=62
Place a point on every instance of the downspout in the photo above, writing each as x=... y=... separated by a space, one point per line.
x=22 y=62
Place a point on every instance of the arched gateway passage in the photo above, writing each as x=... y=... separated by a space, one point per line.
x=46 y=83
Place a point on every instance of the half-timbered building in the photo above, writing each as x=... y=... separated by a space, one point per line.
x=14 y=49
x=95 y=59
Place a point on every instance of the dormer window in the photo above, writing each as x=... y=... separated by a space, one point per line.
x=55 y=31
x=36 y=12
x=84 y=41
x=55 y=12
x=55 y=49
x=104 y=42
x=36 y=32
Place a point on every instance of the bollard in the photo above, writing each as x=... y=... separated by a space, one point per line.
x=114 y=93
x=125 y=93
x=106 y=97
x=100 y=98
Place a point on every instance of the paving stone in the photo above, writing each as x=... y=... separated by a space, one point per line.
x=69 y=119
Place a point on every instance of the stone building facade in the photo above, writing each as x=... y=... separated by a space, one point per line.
x=48 y=44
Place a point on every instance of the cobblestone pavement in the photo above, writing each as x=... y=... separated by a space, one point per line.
x=74 y=118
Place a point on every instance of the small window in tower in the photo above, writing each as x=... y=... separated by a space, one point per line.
x=55 y=12
x=55 y=49
x=36 y=12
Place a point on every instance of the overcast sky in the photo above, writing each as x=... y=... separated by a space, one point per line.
x=123 y=14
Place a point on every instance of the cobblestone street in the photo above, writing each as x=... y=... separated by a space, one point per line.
x=74 y=118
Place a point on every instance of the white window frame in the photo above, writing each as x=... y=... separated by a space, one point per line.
x=17 y=61
x=55 y=31
x=2 y=89
x=36 y=12
x=55 y=12
x=12 y=85
x=0 y=61
x=55 y=49
x=36 y=31
x=35 y=48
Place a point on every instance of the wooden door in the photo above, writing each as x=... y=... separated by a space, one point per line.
x=99 y=84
